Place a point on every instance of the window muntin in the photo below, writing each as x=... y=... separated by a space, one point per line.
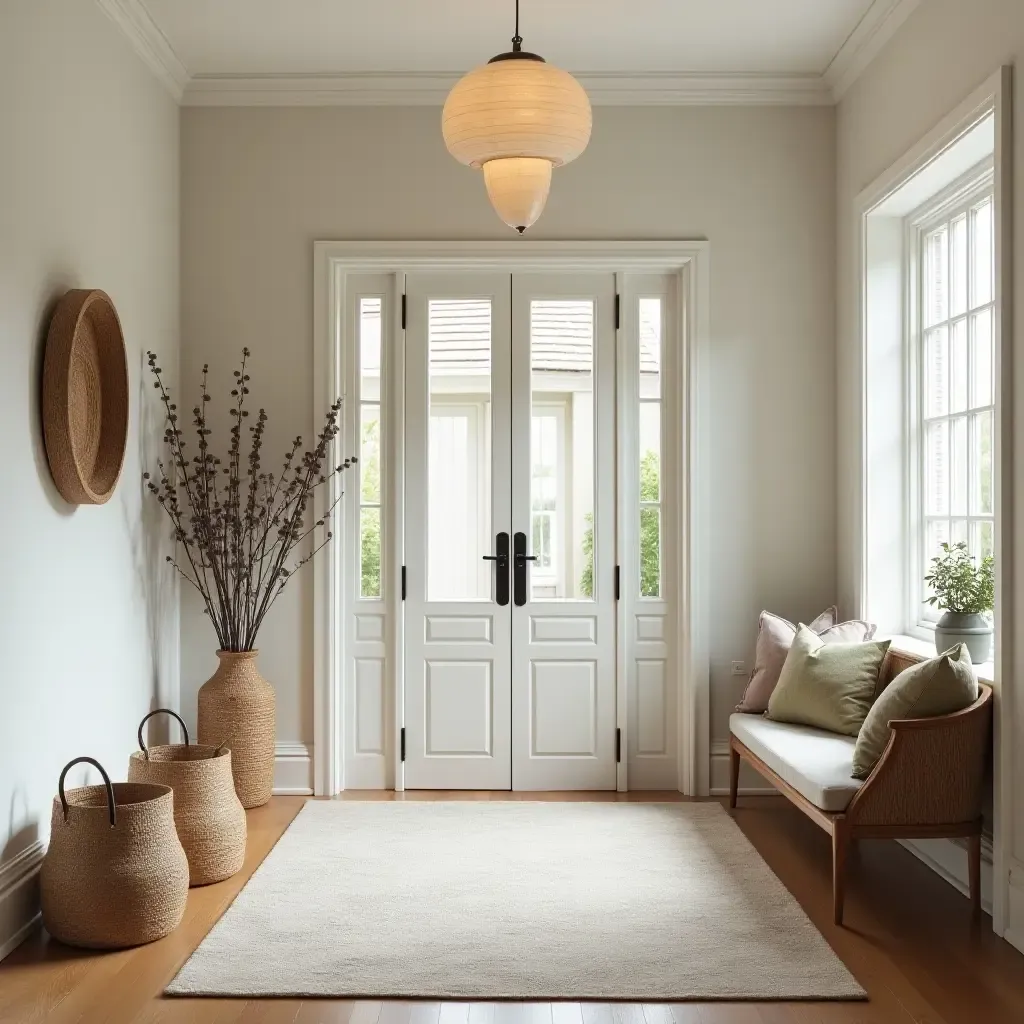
x=954 y=436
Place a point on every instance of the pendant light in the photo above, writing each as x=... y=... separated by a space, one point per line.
x=517 y=118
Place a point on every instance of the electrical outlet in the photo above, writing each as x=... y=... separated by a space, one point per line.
x=739 y=668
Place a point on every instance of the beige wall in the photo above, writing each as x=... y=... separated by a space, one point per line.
x=88 y=614
x=260 y=185
x=945 y=50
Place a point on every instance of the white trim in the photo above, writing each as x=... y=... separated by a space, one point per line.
x=879 y=24
x=138 y=26
x=752 y=783
x=690 y=261
x=293 y=769
x=430 y=88
x=19 y=897
x=994 y=95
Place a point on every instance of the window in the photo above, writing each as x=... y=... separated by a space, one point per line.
x=369 y=448
x=953 y=307
x=650 y=447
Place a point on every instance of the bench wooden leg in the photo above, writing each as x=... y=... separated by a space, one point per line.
x=840 y=847
x=974 y=872
x=734 y=774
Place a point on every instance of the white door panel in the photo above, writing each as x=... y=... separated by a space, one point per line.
x=563 y=503
x=457 y=636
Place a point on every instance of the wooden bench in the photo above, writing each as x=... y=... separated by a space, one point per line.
x=928 y=784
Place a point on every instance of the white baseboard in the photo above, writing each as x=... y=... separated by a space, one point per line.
x=19 y=897
x=293 y=769
x=751 y=783
x=948 y=859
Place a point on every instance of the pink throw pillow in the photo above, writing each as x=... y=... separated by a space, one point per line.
x=775 y=637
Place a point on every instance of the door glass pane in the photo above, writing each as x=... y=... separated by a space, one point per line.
x=562 y=448
x=650 y=552
x=459 y=450
x=959 y=471
x=369 y=551
x=650 y=451
x=369 y=454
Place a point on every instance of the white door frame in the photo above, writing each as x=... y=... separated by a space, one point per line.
x=333 y=261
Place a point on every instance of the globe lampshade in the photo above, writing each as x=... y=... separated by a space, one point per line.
x=517 y=118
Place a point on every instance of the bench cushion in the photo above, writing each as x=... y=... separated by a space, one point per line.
x=816 y=763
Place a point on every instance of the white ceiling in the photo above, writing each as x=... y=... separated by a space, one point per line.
x=259 y=37
x=312 y=52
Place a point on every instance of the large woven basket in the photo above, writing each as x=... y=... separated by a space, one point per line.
x=114 y=874
x=207 y=813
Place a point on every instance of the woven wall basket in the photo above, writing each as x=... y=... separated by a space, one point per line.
x=207 y=813
x=114 y=874
x=85 y=397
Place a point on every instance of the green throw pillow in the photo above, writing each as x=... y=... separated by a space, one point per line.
x=937 y=687
x=830 y=686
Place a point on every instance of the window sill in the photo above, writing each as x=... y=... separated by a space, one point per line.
x=926 y=649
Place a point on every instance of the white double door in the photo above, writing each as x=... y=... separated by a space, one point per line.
x=510 y=606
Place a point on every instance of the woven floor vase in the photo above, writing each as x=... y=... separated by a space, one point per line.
x=114 y=874
x=207 y=812
x=237 y=708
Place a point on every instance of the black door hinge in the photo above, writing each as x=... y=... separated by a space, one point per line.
x=401 y=740
x=404 y=304
x=403 y=582
x=617 y=578
x=618 y=745
x=617 y=318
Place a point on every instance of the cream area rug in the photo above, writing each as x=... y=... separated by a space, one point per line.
x=515 y=900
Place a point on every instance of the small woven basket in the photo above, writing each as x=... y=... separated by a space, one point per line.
x=207 y=813
x=114 y=874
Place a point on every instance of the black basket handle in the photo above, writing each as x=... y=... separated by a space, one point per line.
x=106 y=782
x=161 y=711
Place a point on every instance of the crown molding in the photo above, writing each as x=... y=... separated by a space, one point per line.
x=431 y=88
x=879 y=24
x=132 y=18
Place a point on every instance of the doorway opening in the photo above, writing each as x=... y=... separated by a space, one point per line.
x=510 y=606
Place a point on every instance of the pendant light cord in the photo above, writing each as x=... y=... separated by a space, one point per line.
x=517 y=39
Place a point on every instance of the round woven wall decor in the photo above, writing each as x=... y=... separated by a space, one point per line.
x=85 y=397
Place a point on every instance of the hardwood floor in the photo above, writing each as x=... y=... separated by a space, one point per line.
x=909 y=940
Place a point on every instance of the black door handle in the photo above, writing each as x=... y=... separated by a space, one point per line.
x=520 y=557
x=500 y=558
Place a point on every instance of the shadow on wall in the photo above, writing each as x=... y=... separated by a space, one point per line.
x=152 y=541
x=22 y=828
x=54 y=288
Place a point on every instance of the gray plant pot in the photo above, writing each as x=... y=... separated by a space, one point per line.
x=974 y=630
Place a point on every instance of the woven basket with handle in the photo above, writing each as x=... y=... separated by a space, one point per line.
x=207 y=813
x=114 y=874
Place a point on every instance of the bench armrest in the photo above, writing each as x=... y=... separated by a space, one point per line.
x=932 y=772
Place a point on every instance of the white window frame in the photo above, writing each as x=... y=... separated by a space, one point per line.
x=959 y=198
x=867 y=510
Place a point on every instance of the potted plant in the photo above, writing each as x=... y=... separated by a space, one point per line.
x=242 y=534
x=966 y=591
